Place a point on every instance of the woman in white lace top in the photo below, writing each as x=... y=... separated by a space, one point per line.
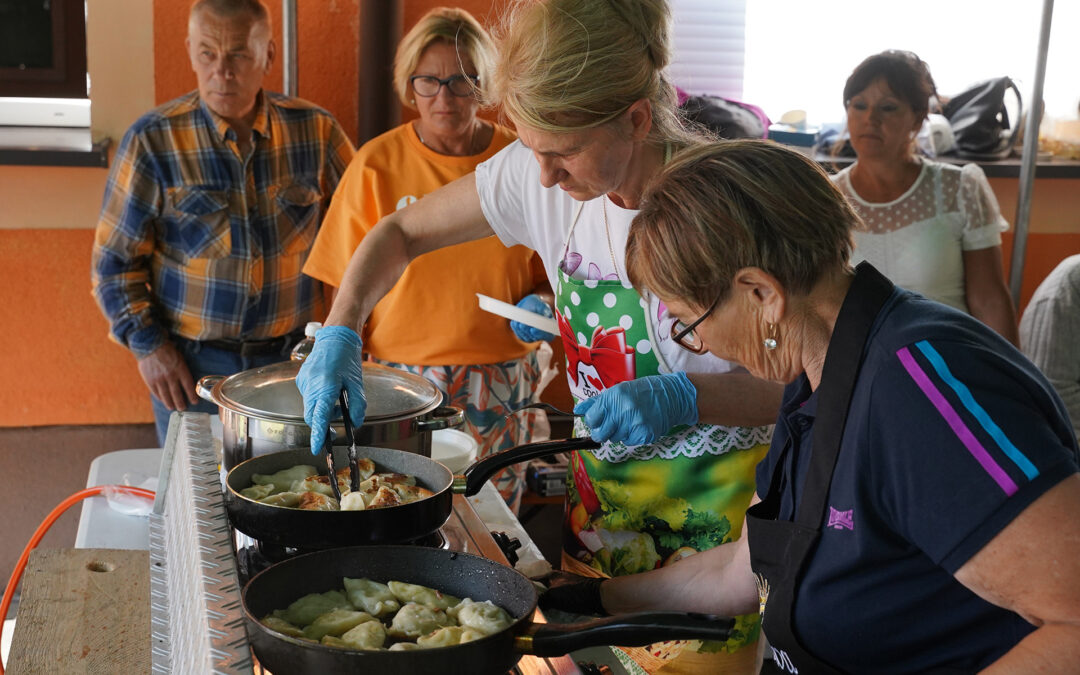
x=931 y=227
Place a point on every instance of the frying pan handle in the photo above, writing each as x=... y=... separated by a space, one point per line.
x=443 y=417
x=205 y=386
x=626 y=630
x=478 y=474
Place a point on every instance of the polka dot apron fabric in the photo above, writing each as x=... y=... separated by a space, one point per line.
x=632 y=509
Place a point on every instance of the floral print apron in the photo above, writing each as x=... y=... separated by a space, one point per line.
x=486 y=393
x=632 y=509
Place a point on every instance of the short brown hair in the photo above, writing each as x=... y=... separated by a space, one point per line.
x=723 y=206
x=907 y=75
x=451 y=25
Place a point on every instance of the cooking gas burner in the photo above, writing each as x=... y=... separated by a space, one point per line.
x=253 y=556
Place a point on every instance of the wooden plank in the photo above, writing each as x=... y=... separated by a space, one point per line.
x=83 y=611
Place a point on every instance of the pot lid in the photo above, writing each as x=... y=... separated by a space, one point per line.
x=270 y=392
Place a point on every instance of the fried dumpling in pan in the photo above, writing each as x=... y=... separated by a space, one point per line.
x=411 y=493
x=422 y=595
x=396 y=478
x=484 y=617
x=331 y=641
x=315 y=501
x=335 y=622
x=290 y=499
x=281 y=625
x=320 y=484
x=385 y=496
x=283 y=480
x=450 y=635
x=353 y=501
x=257 y=492
x=303 y=611
x=403 y=646
x=364 y=464
x=371 y=596
x=368 y=635
x=413 y=620
x=443 y=637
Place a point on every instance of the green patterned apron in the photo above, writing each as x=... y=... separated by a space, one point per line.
x=632 y=509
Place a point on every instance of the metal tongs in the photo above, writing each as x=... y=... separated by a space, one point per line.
x=354 y=470
x=542 y=406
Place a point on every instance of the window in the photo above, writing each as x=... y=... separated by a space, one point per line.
x=43 y=48
x=796 y=54
x=709 y=46
x=799 y=54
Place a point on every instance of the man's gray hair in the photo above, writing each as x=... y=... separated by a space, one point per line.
x=228 y=9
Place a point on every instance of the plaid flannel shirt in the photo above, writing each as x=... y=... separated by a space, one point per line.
x=195 y=241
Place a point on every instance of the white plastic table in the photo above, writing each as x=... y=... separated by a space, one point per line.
x=101 y=526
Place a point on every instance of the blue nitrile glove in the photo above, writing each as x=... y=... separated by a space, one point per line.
x=533 y=303
x=333 y=364
x=640 y=411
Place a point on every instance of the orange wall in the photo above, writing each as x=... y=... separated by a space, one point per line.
x=58 y=365
x=59 y=368
x=327 y=61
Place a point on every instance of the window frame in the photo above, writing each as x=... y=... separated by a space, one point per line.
x=67 y=77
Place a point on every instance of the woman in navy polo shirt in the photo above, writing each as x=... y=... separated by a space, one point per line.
x=919 y=508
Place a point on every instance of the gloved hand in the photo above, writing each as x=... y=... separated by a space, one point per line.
x=532 y=303
x=640 y=411
x=570 y=593
x=333 y=364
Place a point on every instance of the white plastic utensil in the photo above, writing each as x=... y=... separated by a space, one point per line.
x=515 y=313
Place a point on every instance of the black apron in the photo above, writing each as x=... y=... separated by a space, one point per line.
x=780 y=550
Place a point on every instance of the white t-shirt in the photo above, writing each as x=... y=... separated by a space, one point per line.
x=522 y=211
x=918 y=239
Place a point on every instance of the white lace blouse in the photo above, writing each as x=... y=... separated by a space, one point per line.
x=918 y=239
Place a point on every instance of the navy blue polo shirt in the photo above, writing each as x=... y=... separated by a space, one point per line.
x=950 y=435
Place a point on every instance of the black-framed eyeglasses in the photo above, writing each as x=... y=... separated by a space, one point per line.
x=459 y=85
x=686 y=337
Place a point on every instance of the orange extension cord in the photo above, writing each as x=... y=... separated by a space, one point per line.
x=16 y=575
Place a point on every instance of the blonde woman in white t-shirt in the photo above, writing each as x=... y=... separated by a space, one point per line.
x=931 y=227
x=679 y=431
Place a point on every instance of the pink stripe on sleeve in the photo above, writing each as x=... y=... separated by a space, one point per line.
x=955 y=423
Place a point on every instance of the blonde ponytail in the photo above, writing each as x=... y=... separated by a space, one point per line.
x=566 y=65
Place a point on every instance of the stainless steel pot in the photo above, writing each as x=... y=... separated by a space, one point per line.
x=262 y=411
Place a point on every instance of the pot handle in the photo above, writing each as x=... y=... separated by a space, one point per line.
x=626 y=630
x=479 y=472
x=205 y=386
x=443 y=417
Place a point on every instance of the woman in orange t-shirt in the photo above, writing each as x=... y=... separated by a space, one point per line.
x=430 y=323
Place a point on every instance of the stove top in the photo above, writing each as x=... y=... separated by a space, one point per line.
x=198 y=567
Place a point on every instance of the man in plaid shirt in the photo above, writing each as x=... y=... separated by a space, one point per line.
x=209 y=213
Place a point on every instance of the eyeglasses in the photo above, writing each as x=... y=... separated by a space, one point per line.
x=459 y=85
x=686 y=337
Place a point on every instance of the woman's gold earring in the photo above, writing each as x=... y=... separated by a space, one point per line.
x=770 y=341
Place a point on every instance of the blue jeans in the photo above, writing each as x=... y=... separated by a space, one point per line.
x=202 y=360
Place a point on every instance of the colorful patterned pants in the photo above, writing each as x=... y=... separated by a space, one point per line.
x=486 y=392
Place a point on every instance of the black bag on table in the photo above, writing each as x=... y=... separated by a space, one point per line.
x=980 y=120
x=726 y=118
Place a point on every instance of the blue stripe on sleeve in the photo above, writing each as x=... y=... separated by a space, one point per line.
x=964 y=394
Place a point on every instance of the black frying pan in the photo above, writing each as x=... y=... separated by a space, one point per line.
x=395 y=524
x=459 y=574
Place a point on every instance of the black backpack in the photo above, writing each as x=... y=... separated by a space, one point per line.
x=980 y=121
x=726 y=118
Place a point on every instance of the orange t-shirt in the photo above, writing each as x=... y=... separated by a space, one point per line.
x=431 y=316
